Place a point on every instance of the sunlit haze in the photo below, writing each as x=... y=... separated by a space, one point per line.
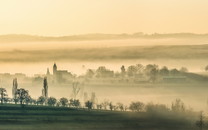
x=69 y=17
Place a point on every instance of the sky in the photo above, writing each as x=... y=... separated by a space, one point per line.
x=72 y=17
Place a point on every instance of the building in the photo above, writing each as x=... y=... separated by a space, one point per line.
x=60 y=76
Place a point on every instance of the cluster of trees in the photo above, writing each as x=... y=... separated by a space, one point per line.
x=22 y=97
x=151 y=71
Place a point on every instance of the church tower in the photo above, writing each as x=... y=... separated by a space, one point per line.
x=54 y=69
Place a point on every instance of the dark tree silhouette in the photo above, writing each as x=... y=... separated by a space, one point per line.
x=63 y=101
x=123 y=71
x=45 y=88
x=164 y=71
x=136 y=106
x=51 y=101
x=3 y=93
x=178 y=106
x=41 y=100
x=75 y=89
x=22 y=95
x=89 y=105
x=14 y=89
x=200 y=123
x=74 y=103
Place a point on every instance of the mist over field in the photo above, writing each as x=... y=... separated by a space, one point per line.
x=78 y=56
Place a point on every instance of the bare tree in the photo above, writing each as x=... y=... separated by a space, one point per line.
x=105 y=103
x=75 y=89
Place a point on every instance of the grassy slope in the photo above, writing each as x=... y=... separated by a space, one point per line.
x=13 y=117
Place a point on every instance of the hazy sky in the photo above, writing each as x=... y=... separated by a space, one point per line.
x=68 y=17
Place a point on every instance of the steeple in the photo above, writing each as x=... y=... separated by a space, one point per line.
x=54 y=69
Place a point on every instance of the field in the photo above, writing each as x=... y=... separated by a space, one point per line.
x=13 y=117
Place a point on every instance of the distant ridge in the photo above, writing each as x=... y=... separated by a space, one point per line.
x=96 y=36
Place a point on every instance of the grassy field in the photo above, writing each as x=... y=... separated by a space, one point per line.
x=13 y=117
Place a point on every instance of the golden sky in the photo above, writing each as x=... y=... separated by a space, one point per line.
x=68 y=17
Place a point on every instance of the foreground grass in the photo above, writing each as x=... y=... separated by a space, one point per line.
x=13 y=117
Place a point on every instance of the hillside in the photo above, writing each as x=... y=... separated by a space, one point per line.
x=97 y=36
x=53 y=118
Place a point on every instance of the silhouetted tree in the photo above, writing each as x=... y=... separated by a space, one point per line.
x=200 y=123
x=22 y=95
x=14 y=89
x=111 y=106
x=89 y=105
x=120 y=106
x=28 y=100
x=74 y=103
x=178 y=106
x=136 y=106
x=3 y=93
x=151 y=71
x=75 y=89
x=63 y=102
x=102 y=72
x=183 y=69
x=105 y=103
x=132 y=70
x=45 y=88
x=174 y=72
x=123 y=71
x=51 y=101
x=90 y=73
x=150 y=107
x=164 y=71
x=41 y=100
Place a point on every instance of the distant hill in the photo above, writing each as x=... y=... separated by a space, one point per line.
x=97 y=36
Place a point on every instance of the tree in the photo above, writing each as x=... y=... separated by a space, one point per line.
x=206 y=68
x=90 y=73
x=3 y=93
x=41 y=100
x=89 y=105
x=51 y=101
x=132 y=70
x=63 y=101
x=111 y=106
x=28 y=100
x=74 y=103
x=200 y=123
x=75 y=89
x=105 y=103
x=123 y=71
x=156 y=108
x=136 y=106
x=151 y=71
x=102 y=72
x=120 y=106
x=183 y=69
x=174 y=72
x=14 y=89
x=164 y=71
x=45 y=88
x=22 y=95
x=178 y=106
